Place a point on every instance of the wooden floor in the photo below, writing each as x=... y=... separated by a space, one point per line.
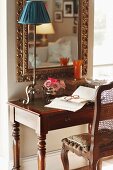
x=83 y=168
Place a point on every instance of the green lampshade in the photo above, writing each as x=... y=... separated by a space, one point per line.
x=34 y=12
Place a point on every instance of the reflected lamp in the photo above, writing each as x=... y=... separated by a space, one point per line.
x=33 y=13
x=45 y=29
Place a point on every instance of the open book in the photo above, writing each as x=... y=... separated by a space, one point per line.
x=76 y=101
x=85 y=93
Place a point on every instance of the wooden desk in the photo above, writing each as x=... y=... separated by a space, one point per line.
x=42 y=120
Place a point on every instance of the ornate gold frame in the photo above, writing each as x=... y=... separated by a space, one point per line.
x=25 y=74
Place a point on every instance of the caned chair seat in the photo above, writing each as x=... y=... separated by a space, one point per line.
x=80 y=144
x=98 y=143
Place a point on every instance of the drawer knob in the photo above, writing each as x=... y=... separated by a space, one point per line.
x=67 y=119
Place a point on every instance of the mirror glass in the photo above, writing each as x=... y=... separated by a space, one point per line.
x=57 y=48
x=56 y=43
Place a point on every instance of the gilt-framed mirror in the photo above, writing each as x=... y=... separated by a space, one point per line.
x=24 y=72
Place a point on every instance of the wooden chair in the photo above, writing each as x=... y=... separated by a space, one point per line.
x=99 y=143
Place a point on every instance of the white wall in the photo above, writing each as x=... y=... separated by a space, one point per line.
x=17 y=90
x=90 y=38
x=3 y=88
x=8 y=86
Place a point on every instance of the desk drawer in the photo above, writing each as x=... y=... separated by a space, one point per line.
x=67 y=119
x=27 y=119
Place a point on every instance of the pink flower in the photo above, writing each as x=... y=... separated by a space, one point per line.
x=47 y=84
x=62 y=84
x=54 y=84
x=52 y=80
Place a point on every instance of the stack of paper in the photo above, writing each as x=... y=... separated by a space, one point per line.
x=85 y=94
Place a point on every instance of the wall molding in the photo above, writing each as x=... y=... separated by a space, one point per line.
x=52 y=160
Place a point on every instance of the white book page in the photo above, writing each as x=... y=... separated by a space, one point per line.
x=60 y=103
x=85 y=93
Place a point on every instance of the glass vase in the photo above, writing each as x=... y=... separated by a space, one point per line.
x=48 y=94
x=77 y=69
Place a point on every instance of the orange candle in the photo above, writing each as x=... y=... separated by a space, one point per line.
x=77 y=69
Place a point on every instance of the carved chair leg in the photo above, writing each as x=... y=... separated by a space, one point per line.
x=90 y=166
x=99 y=165
x=64 y=157
x=94 y=165
x=89 y=127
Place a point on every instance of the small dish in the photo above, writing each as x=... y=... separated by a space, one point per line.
x=64 y=61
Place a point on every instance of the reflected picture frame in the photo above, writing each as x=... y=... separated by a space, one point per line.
x=58 y=4
x=68 y=9
x=58 y=17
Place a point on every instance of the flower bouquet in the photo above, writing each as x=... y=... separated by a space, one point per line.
x=51 y=87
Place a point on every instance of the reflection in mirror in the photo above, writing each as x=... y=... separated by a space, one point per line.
x=69 y=41
x=62 y=44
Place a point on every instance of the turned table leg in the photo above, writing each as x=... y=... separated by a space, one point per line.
x=16 y=146
x=41 y=152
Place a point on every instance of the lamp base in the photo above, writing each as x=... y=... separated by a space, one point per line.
x=30 y=92
x=44 y=40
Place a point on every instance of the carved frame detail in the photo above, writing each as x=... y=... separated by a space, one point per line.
x=22 y=71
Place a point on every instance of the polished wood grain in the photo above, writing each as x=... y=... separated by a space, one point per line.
x=43 y=120
x=83 y=168
x=99 y=140
x=16 y=145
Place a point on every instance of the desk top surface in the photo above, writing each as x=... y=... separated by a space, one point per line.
x=37 y=107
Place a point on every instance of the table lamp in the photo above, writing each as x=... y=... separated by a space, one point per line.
x=45 y=29
x=35 y=13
